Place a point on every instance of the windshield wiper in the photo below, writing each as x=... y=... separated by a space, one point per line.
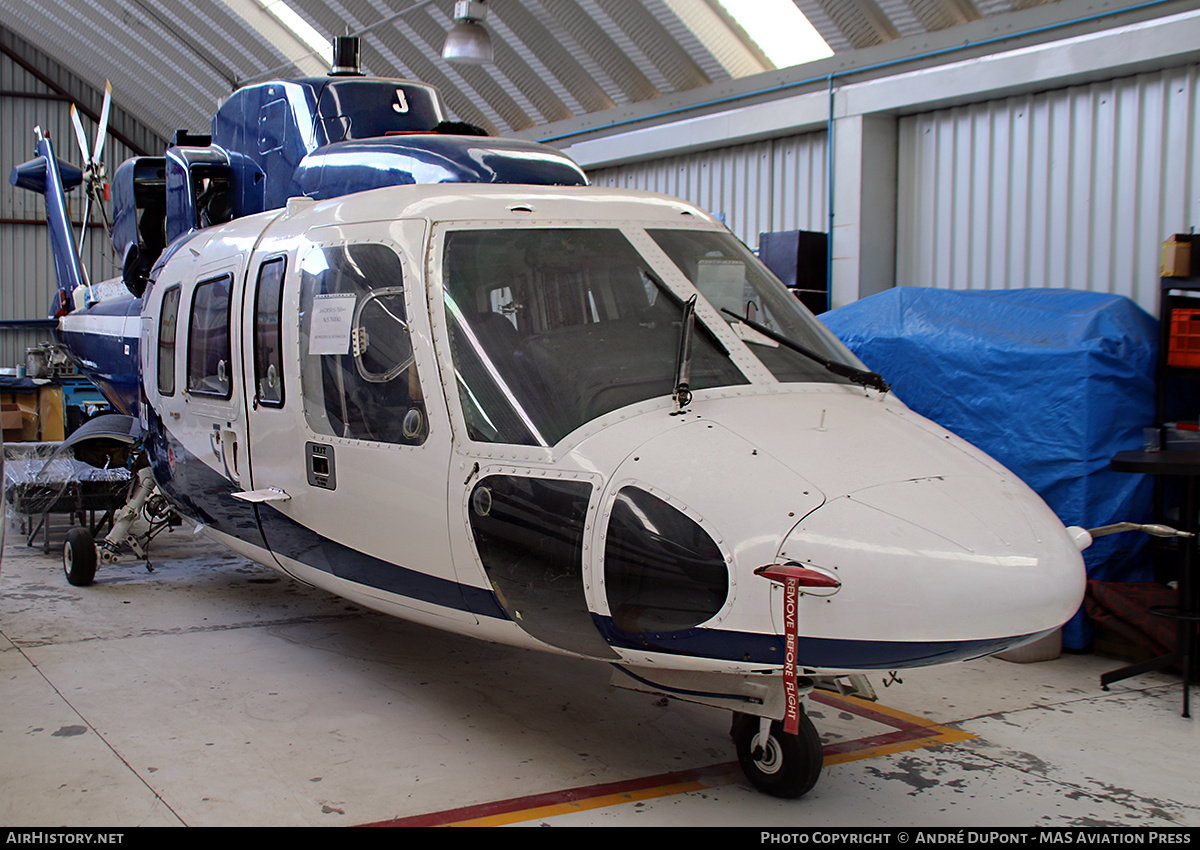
x=705 y=330
x=861 y=377
x=683 y=359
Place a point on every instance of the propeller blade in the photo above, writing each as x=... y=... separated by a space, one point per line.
x=80 y=136
x=102 y=130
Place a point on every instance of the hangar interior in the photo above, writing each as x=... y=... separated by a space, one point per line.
x=928 y=164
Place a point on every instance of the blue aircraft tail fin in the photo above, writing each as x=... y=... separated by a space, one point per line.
x=45 y=176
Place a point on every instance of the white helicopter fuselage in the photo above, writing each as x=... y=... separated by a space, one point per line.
x=423 y=504
x=439 y=375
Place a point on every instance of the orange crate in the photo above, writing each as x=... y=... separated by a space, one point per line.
x=1184 y=347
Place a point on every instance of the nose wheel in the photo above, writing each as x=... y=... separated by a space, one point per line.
x=775 y=762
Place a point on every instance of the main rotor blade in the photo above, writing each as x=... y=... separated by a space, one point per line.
x=102 y=130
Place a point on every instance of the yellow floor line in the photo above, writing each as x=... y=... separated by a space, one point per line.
x=937 y=734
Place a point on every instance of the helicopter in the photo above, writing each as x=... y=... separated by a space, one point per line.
x=439 y=374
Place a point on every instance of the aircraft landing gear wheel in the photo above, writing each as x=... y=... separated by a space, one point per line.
x=782 y=765
x=79 y=557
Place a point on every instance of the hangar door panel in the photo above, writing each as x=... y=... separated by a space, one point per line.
x=1074 y=188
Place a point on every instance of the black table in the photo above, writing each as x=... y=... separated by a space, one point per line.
x=1186 y=466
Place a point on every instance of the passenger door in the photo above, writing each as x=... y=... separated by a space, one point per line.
x=350 y=451
x=208 y=446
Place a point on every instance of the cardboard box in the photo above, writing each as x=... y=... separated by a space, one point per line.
x=10 y=417
x=1177 y=256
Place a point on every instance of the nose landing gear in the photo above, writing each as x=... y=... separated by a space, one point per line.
x=775 y=762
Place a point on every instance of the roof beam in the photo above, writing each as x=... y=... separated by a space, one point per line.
x=612 y=60
x=941 y=14
x=278 y=36
x=135 y=148
x=655 y=42
x=722 y=37
x=542 y=44
x=862 y=22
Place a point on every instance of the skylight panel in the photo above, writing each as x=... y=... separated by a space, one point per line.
x=299 y=27
x=779 y=29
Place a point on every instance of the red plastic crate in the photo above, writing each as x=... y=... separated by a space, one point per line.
x=1184 y=347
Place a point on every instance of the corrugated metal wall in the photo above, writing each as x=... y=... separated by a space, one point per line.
x=1076 y=187
x=26 y=266
x=779 y=184
x=1072 y=188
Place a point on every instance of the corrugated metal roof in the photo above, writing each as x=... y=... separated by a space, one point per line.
x=173 y=61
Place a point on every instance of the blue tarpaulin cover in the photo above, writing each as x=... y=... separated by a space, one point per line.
x=1051 y=383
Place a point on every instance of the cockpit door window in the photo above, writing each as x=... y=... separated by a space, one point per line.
x=358 y=370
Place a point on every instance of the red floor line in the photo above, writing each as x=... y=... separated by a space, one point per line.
x=899 y=736
x=718 y=774
x=863 y=711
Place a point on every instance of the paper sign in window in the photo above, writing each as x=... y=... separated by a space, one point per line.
x=722 y=282
x=332 y=321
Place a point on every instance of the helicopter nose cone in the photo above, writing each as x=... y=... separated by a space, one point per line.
x=968 y=559
x=929 y=551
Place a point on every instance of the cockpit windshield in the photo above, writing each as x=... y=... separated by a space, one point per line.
x=551 y=328
x=737 y=284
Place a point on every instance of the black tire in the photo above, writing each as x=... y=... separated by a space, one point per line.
x=785 y=766
x=79 y=557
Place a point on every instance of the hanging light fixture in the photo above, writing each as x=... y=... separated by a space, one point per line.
x=469 y=42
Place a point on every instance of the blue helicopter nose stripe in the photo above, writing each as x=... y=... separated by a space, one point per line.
x=207 y=496
x=294 y=540
x=821 y=653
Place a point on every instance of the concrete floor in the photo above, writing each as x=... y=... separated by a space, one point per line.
x=213 y=692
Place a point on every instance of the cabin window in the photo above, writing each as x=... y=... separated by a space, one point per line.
x=530 y=534
x=268 y=333
x=359 y=371
x=168 y=319
x=662 y=571
x=209 y=355
x=552 y=328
